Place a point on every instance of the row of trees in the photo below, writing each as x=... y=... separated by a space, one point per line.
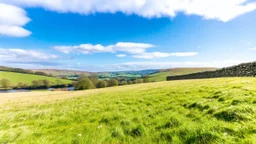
x=6 y=84
x=90 y=82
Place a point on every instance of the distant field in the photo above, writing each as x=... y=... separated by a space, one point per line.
x=15 y=78
x=206 y=111
x=161 y=75
x=57 y=72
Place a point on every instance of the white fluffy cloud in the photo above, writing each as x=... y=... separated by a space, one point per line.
x=84 y=48
x=121 y=55
x=20 y=55
x=12 y=19
x=137 y=50
x=223 y=10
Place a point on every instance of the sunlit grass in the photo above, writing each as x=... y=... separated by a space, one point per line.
x=15 y=78
x=192 y=111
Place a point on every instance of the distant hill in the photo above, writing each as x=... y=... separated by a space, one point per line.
x=58 y=72
x=162 y=74
x=15 y=78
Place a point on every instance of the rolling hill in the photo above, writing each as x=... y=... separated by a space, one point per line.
x=15 y=78
x=59 y=72
x=162 y=74
x=205 y=111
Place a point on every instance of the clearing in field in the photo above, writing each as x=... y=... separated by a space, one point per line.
x=192 y=111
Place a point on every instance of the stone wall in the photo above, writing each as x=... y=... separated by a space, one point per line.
x=242 y=70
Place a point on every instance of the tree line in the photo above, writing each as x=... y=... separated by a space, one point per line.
x=36 y=84
x=91 y=82
x=83 y=82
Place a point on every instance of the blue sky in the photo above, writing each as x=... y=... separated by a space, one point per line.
x=132 y=35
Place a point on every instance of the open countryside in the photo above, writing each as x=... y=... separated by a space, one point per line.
x=205 y=111
x=127 y=72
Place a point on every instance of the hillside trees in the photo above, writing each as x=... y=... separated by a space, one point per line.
x=101 y=84
x=83 y=84
x=112 y=82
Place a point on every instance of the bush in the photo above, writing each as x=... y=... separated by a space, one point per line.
x=101 y=84
x=37 y=83
x=5 y=83
x=112 y=82
x=94 y=78
x=83 y=84
x=146 y=79
x=21 y=85
x=47 y=83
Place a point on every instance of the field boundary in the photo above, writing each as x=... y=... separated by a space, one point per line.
x=241 y=70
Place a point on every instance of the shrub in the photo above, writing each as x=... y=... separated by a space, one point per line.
x=112 y=82
x=47 y=83
x=146 y=79
x=94 y=79
x=21 y=85
x=83 y=84
x=5 y=83
x=37 y=83
x=101 y=84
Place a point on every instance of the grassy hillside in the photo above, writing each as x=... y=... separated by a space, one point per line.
x=15 y=78
x=161 y=75
x=57 y=72
x=192 y=111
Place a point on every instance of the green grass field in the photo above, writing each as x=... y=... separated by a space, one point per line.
x=15 y=78
x=189 y=111
x=161 y=76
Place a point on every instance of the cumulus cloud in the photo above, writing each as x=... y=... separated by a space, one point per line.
x=223 y=10
x=20 y=55
x=121 y=55
x=137 y=50
x=83 y=48
x=12 y=18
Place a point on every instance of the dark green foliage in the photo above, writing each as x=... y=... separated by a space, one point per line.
x=101 y=84
x=83 y=84
x=37 y=83
x=47 y=83
x=146 y=79
x=94 y=79
x=21 y=85
x=230 y=115
x=112 y=82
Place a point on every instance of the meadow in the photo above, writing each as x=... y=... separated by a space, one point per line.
x=15 y=78
x=162 y=74
x=189 y=111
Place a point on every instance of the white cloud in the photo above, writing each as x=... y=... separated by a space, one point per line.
x=129 y=47
x=133 y=48
x=223 y=10
x=84 y=48
x=121 y=55
x=20 y=55
x=162 y=55
x=12 y=19
x=137 y=50
x=252 y=48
